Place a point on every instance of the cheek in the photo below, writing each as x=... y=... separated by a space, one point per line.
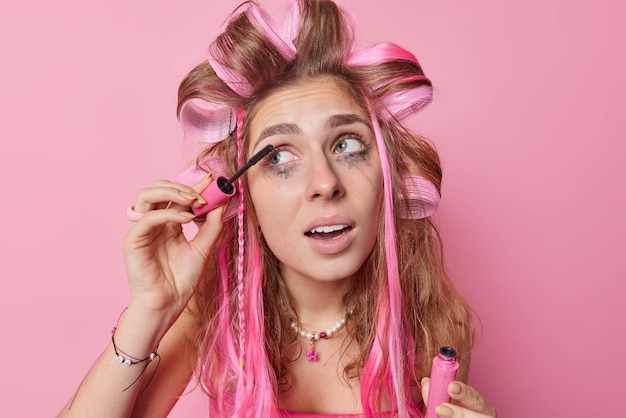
x=273 y=201
x=374 y=176
x=377 y=190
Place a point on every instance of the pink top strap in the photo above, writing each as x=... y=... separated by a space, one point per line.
x=290 y=414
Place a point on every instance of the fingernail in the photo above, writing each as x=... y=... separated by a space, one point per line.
x=444 y=411
x=455 y=388
x=187 y=215
x=424 y=381
x=187 y=195
x=197 y=198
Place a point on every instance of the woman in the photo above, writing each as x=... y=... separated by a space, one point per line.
x=326 y=293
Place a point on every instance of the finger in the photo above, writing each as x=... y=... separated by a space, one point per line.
x=193 y=193
x=151 y=197
x=468 y=397
x=425 y=386
x=203 y=183
x=448 y=410
x=173 y=184
x=200 y=188
x=155 y=218
x=208 y=231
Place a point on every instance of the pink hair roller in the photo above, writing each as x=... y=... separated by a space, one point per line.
x=266 y=25
x=232 y=78
x=378 y=54
x=206 y=122
x=421 y=200
x=407 y=101
x=291 y=22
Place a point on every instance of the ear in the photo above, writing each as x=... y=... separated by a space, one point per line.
x=421 y=199
x=206 y=122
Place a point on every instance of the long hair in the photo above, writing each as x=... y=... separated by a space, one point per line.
x=405 y=305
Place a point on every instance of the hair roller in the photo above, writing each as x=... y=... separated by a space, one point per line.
x=206 y=122
x=291 y=22
x=405 y=103
x=410 y=94
x=232 y=78
x=421 y=199
x=267 y=26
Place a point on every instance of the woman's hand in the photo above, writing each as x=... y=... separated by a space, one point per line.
x=163 y=267
x=466 y=402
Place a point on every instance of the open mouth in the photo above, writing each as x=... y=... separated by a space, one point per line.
x=328 y=232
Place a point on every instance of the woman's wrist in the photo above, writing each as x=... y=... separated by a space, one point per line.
x=139 y=331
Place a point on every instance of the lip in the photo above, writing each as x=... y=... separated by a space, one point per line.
x=333 y=246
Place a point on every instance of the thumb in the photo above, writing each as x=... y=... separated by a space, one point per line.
x=208 y=231
x=425 y=386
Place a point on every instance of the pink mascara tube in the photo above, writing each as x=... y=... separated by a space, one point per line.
x=222 y=189
x=443 y=372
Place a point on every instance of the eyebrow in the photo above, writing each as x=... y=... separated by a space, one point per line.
x=293 y=129
x=345 y=119
x=279 y=129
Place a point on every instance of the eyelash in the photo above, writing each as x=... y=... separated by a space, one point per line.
x=348 y=137
x=267 y=161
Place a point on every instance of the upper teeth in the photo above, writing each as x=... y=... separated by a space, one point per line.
x=327 y=229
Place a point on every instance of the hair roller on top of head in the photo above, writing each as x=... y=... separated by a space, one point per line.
x=291 y=22
x=266 y=25
x=401 y=96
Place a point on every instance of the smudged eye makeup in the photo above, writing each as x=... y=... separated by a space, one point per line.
x=279 y=156
x=347 y=144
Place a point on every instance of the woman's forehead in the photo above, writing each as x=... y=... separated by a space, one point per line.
x=323 y=95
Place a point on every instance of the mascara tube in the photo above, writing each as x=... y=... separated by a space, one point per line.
x=222 y=189
x=443 y=371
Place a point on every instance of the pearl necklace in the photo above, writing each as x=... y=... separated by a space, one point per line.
x=312 y=355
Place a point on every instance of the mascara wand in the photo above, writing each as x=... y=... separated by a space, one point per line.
x=222 y=189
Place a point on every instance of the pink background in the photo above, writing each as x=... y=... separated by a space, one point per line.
x=528 y=118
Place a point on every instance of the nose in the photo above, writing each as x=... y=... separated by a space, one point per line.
x=324 y=182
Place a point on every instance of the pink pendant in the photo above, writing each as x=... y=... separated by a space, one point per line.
x=312 y=355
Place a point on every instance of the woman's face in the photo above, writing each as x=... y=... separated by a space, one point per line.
x=318 y=195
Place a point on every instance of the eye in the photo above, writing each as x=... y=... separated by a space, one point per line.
x=280 y=156
x=349 y=145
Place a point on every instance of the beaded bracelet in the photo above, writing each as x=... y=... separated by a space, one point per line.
x=125 y=358
x=128 y=360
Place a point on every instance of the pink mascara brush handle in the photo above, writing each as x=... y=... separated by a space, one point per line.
x=216 y=194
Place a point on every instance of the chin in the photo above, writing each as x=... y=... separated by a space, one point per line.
x=332 y=272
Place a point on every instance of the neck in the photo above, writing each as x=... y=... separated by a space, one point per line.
x=317 y=303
